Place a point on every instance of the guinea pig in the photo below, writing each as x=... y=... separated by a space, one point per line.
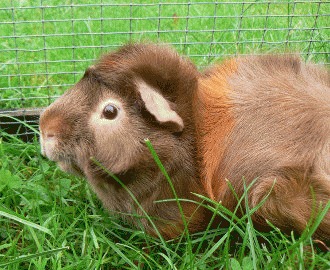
x=263 y=125
x=260 y=122
x=139 y=92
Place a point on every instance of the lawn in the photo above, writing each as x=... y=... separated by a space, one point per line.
x=52 y=220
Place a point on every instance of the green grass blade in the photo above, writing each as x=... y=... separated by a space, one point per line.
x=133 y=197
x=177 y=199
x=21 y=122
x=214 y=247
x=13 y=216
x=163 y=170
x=32 y=256
x=122 y=255
x=316 y=222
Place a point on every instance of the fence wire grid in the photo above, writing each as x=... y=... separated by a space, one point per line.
x=47 y=45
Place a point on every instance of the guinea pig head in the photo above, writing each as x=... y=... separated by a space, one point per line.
x=138 y=92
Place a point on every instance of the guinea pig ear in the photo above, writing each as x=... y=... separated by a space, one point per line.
x=159 y=107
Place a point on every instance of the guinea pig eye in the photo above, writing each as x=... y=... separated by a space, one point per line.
x=110 y=112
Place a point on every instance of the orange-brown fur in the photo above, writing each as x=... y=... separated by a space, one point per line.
x=214 y=122
x=267 y=119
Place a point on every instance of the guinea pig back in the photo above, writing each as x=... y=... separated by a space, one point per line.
x=264 y=122
x=138 y=92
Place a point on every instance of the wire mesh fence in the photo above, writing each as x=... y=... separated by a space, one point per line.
x=47 y=45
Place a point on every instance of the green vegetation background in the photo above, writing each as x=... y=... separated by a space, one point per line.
x=51 y=220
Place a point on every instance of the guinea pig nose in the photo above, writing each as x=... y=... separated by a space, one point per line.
x=49 y=135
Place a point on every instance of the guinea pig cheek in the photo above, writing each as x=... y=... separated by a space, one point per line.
x=109 y=137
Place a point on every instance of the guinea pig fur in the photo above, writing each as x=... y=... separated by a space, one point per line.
x=261 y=121
x=140 y=91
x=267 y=119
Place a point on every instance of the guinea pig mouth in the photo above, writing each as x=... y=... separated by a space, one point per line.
x=64 y=161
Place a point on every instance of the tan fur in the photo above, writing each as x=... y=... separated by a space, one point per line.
x=279 y=135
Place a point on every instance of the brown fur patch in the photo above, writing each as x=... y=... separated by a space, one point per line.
x=295 y=199
x=281 y=130
x=214 y=122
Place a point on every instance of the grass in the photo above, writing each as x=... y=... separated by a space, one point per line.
x=51 y=220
